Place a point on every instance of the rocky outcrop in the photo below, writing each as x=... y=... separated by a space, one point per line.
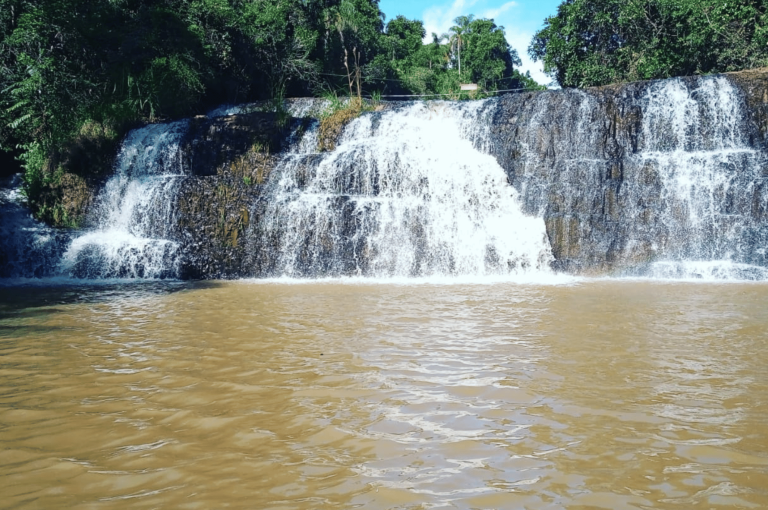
x=754 y=85
x=231 y=159
x=212 y=216
x=598 y=165
x=216 y=146
x=604 y=167
x=623 y=176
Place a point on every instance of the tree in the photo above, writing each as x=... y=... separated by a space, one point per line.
x=281 y=46
x=457 y=34
x=596 y=42
x=488 y=57
x=359 y=26
x=403 y=37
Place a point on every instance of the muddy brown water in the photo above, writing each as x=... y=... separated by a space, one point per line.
x=594 y=394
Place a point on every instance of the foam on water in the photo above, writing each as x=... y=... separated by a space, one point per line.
x=531 y=278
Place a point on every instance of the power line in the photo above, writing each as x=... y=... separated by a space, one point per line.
x=454 y=93
x=400 y=81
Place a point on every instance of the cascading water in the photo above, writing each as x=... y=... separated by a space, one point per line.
x=665 y=179
x=662 y=179
x=696 y=139
x=28 y=248
x=134 y=211
x=406 y=193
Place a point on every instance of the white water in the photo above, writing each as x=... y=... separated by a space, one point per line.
x=28 y=248
x=298 y=108
x=412 y=194
x=134 y=211
x=406 y=193
x=697 y=141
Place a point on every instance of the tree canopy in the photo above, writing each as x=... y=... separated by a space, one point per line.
x=79 y=73
x=596 y=42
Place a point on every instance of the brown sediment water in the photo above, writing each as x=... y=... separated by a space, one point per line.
x=594 y=394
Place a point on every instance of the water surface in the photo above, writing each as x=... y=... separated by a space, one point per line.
x=595 y=394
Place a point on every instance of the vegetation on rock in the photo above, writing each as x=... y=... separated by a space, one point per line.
x=337 y=116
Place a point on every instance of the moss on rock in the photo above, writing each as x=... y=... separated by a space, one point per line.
x=332 y=124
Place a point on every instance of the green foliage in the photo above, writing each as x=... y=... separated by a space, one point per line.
x=596 y=42
x=75 y=75
x=487 y=57
x=334 y=104
x=475 y=51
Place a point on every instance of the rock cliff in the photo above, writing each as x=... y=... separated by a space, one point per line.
x=231 y=158
x=607 y=169
x=602 y=166
x=624 y=177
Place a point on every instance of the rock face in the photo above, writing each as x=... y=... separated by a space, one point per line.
x=231 y=159
x=624 y=177
x=628 y=175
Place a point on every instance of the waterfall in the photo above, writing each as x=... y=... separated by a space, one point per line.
x=28 y=248
x=406 y=193
x=660 y=179
x=134 y=211
x=696 y=139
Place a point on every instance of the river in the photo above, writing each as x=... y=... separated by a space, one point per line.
x=344 y=394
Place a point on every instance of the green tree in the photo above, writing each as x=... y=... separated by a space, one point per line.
x=403 y=38
x=488 y=57
x=457 y=34
x=281 y=42
x=596 y=42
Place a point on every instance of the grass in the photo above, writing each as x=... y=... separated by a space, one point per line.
x=337 y=115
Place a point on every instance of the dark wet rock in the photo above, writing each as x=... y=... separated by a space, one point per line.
x=231 y=159
x=213 y=214
x=212 y=146
x=576 y=157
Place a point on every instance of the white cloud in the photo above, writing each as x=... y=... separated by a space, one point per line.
x=439 y=18
x=495 y=13
x=519 y=40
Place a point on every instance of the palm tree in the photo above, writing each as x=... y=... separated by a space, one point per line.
x=345 y=18
x=458 y=34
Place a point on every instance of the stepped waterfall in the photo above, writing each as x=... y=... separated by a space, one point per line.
x=406 y=193
x=134 y=211
x=697 y=142
x=662 y=179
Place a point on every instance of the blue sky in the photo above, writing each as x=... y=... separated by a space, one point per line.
x=520 y=19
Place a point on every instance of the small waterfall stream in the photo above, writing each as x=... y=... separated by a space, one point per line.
x=134 y=211
x=696 y=140
x=28 y=248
